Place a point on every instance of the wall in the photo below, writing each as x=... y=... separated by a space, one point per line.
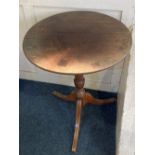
x=125 y=133
x=32 y=11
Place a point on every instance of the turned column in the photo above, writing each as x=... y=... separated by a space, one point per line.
x=79 y=85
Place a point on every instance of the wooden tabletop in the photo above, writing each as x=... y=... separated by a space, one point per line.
x=77 y=42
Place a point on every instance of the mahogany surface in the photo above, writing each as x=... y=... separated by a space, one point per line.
x=77 y=42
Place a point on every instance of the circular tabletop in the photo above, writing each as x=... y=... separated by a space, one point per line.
x=77 y=42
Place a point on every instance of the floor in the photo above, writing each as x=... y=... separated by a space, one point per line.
x=47 y=123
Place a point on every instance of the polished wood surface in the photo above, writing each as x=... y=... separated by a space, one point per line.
x=81 y=98
x=77 y=42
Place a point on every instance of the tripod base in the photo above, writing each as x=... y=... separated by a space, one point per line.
x=88 y=98
x=81 y=98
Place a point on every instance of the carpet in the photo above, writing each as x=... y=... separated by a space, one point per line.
x=47 y=123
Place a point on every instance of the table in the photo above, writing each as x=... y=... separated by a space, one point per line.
x=77 y=43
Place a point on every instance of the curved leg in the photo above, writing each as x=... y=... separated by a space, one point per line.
x=77 y=124
x=69 y=97
x=91 y=100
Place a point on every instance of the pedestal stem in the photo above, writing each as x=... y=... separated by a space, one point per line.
x=80 y=93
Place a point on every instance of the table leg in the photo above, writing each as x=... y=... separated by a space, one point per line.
x=77 y=124
x=69 y=97
x=92 y=100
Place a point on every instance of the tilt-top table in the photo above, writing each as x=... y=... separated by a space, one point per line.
x=77 y=43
